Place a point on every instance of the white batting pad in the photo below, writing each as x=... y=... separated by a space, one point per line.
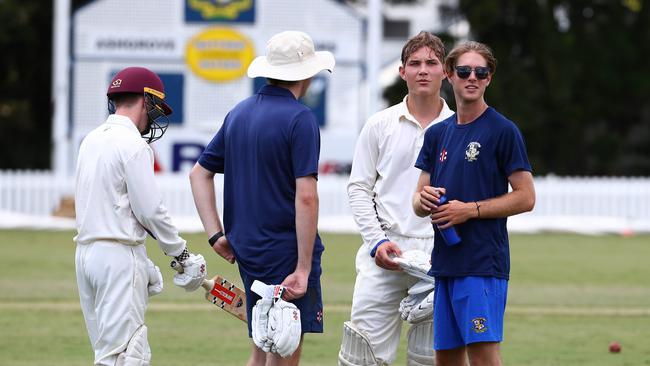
x=356 y=349
x=420 y=344
x=137 y=351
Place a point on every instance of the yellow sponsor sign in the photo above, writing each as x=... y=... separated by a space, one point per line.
x=219 y=54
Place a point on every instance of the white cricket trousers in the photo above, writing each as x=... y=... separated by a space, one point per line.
x=377 y=294
x=112 y=280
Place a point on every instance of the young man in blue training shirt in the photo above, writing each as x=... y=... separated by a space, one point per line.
x=268 y=149
x=471 y=158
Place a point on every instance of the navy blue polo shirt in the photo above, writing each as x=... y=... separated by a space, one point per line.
x=266 y=142
x=473 y=162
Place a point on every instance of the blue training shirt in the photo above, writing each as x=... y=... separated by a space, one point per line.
x=473 y=163
x=266 y=142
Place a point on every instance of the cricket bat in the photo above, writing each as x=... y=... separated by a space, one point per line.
x=222 y=293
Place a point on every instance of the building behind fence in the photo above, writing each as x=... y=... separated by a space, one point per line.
x=574 y=204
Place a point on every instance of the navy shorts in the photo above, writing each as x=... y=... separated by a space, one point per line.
x=310 y=305
x=468 y=310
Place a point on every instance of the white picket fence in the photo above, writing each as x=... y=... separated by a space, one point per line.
x=579 y=204
x=32 y=192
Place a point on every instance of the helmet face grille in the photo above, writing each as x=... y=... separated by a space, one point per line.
x=158 y=120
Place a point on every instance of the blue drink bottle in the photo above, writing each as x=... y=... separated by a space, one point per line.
x=449 y=234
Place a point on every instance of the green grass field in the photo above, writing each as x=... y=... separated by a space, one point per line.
x=569 y=297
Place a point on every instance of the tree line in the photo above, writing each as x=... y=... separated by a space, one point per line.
x=571 y=74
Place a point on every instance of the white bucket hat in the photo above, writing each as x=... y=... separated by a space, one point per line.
x=290 y=56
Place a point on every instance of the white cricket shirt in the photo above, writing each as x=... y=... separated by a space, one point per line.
x=384 y=177
x=116 y=196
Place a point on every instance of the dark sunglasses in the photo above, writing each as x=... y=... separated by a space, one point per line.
x=481 y=72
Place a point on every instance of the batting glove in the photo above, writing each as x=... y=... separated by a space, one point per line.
x=415 y=263
x=193 y=274
x=260 y=323
x=422 y=311
x=284 y=328
x=155 y=279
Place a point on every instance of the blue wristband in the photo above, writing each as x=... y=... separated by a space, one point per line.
x=374 y=250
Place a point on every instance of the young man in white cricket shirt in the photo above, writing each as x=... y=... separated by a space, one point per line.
x=117 y=204
x=380 y=191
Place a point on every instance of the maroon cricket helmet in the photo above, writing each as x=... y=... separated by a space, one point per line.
x=139 y=80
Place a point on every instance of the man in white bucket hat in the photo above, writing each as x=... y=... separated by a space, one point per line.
x=290 y=56
x=268 y=149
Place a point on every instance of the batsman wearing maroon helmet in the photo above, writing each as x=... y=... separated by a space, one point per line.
x=117 y=204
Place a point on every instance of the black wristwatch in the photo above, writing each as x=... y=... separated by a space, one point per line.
x=213 y=239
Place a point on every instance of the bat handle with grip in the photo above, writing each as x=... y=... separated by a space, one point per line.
x=176 y=266
x=208 y=285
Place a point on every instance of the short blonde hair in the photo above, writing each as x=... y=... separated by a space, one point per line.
x=470 y=46
x=423 y=39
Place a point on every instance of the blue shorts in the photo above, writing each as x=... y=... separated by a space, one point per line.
x=468 y=310
x=310 y=305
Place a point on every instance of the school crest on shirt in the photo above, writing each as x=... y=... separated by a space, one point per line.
x=473 y=149
x=479 y=325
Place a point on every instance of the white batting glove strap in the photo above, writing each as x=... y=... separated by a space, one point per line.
x=155 y=285
x=260 y=323
x=267 y=291
x=284 y=328
x=422 y=311
x=194 y=271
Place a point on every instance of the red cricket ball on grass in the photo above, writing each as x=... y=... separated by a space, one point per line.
x=614 y=347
